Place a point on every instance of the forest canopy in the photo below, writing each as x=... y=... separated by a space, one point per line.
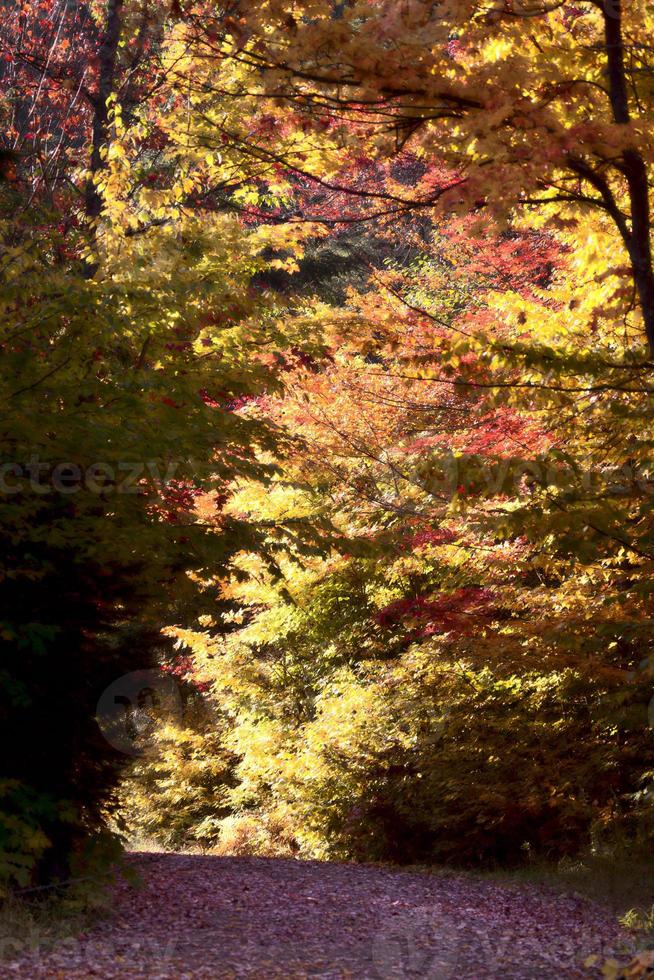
x=327 y=433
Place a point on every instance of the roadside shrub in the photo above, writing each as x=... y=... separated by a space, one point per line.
x=435 y=761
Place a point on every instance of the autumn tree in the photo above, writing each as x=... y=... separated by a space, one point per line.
x=386 y=701
x=133 y=333
x=520 y=109
x=416 y=482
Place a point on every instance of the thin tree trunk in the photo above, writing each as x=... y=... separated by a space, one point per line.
x=107 y=57
x=634 y=169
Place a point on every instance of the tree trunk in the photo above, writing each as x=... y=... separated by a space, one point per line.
x=634 y=170
x=107 y=57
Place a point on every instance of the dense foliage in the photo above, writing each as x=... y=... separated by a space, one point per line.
x=469 y=678
x=129 y=339
x=325 y=361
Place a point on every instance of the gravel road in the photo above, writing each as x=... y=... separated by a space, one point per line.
x=219 y=917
